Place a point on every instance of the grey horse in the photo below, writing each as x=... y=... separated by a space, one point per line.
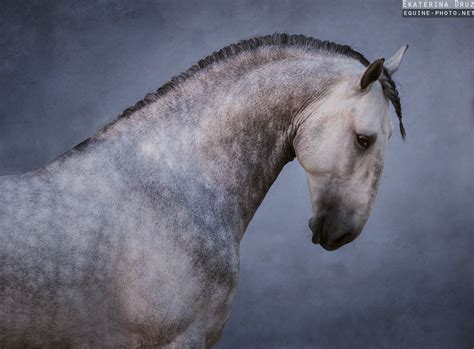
x=131 y=239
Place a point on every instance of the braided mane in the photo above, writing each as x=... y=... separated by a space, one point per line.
x=388 y=85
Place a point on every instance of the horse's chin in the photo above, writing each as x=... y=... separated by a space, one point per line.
x=332 y=245
x=328 y=247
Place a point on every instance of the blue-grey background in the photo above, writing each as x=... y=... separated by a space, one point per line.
x=69 y=67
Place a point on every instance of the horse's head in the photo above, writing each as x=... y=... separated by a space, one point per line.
x=341 y=143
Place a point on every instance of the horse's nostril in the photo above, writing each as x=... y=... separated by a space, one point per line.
x=316 y=226
x=316 y=238
x=312 y=223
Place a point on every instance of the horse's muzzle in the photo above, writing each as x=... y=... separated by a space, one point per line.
x=321 y=234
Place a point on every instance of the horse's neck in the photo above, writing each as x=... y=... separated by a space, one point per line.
x=221 y=139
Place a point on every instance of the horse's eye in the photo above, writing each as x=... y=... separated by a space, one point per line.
x=363 y=141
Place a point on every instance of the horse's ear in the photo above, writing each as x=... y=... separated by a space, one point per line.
x=393 y=62
x=372 y=73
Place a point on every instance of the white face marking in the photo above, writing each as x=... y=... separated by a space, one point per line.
x=343 y=175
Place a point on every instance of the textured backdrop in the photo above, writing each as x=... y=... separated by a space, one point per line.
x=67 y=68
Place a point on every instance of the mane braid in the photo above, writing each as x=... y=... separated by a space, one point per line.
x=388 y=85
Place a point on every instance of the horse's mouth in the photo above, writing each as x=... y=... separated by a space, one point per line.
x=334 y=245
